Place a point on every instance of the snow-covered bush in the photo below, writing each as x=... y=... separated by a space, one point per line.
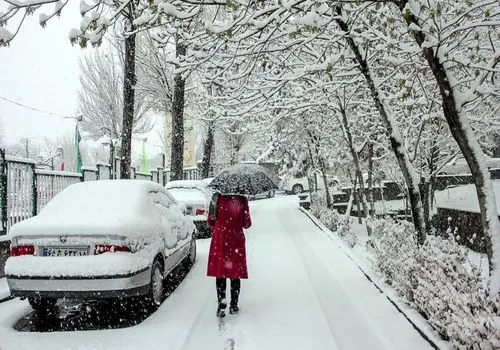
x=439 y=281
x=345 y=232
x=451 y=294
x=392 y=244
x=332 y=219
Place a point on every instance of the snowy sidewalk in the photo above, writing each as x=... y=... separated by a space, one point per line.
x=303 y=293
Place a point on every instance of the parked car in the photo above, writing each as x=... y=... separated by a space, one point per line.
x=459 y=166
x=207 y=181
x=267 y=194
x=100 y=239
x=195 y=196
x=296 y=185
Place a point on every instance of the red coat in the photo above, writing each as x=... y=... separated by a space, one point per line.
x=227 y=256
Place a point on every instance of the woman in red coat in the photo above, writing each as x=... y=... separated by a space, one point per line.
x=227 y=257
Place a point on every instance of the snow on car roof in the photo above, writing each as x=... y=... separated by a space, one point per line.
x=107 y=195
x=188 y=195
x=199 y=184
x=95 y=207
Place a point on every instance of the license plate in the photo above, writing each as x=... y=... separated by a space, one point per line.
x=60 y=251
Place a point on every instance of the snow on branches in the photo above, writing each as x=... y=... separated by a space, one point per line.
x=19 y=9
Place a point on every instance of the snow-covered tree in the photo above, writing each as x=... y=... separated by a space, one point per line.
x=101 y=95
x=459 y=41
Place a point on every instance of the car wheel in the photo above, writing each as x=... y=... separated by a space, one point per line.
x=297 y=188
x=43 y=305
x=156 y=293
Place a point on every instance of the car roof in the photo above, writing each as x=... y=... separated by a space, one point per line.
x=188 y=195
x=114 y=193
x=186 y=184
x=104 y=206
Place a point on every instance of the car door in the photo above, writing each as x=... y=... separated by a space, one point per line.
x=169 y=233
x=179 y=228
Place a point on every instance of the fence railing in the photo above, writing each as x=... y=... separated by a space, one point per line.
x=49 y=183
x=25 y=189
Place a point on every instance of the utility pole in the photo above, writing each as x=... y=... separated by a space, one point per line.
x=27 y=148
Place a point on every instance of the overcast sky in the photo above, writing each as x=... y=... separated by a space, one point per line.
x=40 y=69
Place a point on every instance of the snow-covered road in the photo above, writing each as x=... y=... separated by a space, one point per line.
x=303 y=293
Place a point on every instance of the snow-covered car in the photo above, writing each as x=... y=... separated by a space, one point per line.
x=296 y=185
x=459 y=166
x=100 y=239
x=207 y=181
x=194 y=196
x=268 y=194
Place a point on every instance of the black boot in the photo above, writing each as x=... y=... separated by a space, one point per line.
x=235 y=294
x=220 y=284
x=221 y=310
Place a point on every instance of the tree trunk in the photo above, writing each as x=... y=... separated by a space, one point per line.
x=207 y=151
x=404 y=163
x=430 y=184
x=322 y=167
x=425 y=193
x=361 y=197
x=358 y=206
x=349 y=205
x=325 y=181
x=177 y=149
x=471 y=150
x=129 y=80
x=234 y=151
x=370 y=179
x=352 y=198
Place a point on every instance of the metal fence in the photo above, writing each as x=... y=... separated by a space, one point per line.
x=25 y=190
x=17 y=195
x=50 y=183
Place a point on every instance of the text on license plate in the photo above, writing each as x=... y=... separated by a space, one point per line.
x=55 y=251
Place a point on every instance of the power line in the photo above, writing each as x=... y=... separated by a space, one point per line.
x=35 y=109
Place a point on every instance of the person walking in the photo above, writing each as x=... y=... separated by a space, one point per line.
x=228 y=215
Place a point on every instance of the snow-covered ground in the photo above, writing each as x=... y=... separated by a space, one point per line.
x=304 y=292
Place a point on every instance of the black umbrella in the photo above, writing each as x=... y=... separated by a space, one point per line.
x=243 y=179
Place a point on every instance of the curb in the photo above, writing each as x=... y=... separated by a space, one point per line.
x=422 y=332
x=10 y=297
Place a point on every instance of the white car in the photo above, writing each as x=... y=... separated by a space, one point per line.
x=267 y=194
x=207 y=181
x=459 y=166
x=100 y=239
x=194 y=196
x=296 y=185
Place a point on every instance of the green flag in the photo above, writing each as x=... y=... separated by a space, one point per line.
x=78 y=154
x=144 y=160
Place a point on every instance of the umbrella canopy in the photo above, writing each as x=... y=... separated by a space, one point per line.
x=243 y=179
